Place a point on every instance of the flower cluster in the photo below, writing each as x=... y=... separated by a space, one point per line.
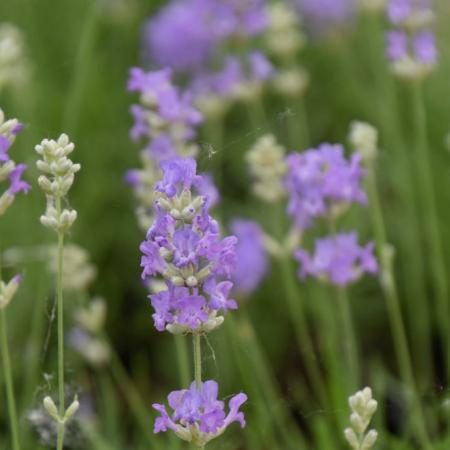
x=411 y=46
x=166 y=118
x=184 y=246
x=363 y=408
x=252 y=261
x=338 y=259
x=9 y=129
x=57 y=178
x=322 y=183
x=267 y=166
x=197 y=415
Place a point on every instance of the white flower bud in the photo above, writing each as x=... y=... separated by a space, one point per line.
x=363 y=407
x=364 y=138
x=51 y=409
x=266 y=164
x=8 y=291
x=5 y=202
x=351 y=438
x=72 y=409
x=369 y=440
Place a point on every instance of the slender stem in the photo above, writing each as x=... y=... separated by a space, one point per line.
x=304 y=341
x=389 y=286
x=60 y=308
x=437 y=260
x=183 y=360
x=9 y=383
x=386 y=107
x=350 y=346
x=197 y=360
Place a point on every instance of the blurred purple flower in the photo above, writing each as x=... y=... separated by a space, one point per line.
x=252 y=261
x=338 y=259
x=320 y=15
x=186 y=34
x=425 y=47
x=397 y=45
x=16 y=183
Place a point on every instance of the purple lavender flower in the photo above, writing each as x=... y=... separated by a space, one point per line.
x=397 y=45
x=411 y=47
x=16 y=183
x=338 y=259
x=165 y=111
x=424 y=44
x=184 y=246
x=186 y=34
x=178 y=175
x=252 y=261
x=319 y=180
x=198 y=416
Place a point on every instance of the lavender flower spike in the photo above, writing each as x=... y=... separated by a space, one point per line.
x=9 y=129
x=338 y=259
x=184 y=247
x=198 y=417
x=410 y=46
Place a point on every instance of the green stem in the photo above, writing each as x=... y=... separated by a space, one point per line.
x=9 y=383
x=389 y=286
x=386 y=107
x=304 y=341
x=437 y=260
x=197 y=360
x=60 y=308
x=350 y=346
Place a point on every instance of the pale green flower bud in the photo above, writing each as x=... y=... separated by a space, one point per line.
x=52 y=410
x=267 y=167
x=351 y=438
x=72 y=409
x=8 y=290
x=363 y=407
x=291 y=82
x=92 y=317
x=6 y=201
x=369 y=440
x=364 y=139
x=14 y=66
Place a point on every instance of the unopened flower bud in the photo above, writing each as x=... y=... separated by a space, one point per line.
x=72 y=409
x=51 y=408
x=369 y=440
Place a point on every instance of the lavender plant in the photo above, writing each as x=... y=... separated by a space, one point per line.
x=184 y=247
x=11 y=172
x=58 y=174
